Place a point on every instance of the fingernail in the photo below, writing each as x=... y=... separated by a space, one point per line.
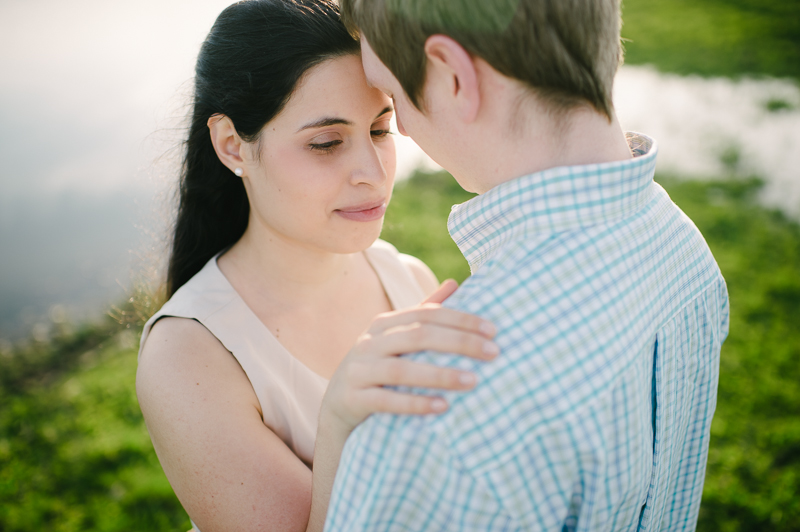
x=467 y=379
x=487 y=328
x=491 y=349
x=439 y=405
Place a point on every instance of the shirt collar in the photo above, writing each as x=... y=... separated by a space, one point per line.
x=553 y=201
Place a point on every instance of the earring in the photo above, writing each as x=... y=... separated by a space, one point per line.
x=239 y=172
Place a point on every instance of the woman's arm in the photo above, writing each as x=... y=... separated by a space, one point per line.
x=229 y=471
x=227 y=468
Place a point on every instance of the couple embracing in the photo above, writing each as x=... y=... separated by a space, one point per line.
x=568 y=384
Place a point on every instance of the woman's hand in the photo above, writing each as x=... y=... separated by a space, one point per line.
x=357 y=388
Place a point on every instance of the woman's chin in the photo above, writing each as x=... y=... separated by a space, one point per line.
x=359 y=240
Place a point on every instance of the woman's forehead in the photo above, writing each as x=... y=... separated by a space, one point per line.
x=335 y=88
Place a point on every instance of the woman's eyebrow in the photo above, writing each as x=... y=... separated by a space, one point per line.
x=333 y=121
x=387 y=109
x=325 y=122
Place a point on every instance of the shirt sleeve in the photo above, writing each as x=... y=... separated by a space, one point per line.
x=396 y=474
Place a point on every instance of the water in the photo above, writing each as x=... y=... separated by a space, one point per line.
x=67 y=255
x=92 y=94
x=715 y=127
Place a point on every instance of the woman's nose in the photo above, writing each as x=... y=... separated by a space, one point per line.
x=368 y=167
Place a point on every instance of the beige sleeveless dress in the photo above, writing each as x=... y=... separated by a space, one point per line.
x=290 y=393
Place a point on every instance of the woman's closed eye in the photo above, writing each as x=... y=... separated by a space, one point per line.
x=328 y=144
x=325 y=143
x=380 y=133
x=325 y=147
x=381 y=128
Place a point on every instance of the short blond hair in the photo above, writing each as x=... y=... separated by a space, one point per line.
x=567 y=51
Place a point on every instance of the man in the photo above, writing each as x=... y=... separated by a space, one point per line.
x=610 y=308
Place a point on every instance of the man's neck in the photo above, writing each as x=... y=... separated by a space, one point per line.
x=584 y=137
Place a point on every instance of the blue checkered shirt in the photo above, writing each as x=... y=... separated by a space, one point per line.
x=596 y=415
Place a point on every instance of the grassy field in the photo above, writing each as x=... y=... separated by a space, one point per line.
x=75 y=455
x=714 y=37
x=74 y=451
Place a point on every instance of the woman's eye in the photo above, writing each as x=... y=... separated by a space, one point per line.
x=325 y=147
x=380 y=133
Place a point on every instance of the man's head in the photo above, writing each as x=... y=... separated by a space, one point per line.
x=562 y=53
x=567 y=50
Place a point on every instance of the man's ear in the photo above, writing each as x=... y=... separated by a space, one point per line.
x=455 y=69
x=226 y=141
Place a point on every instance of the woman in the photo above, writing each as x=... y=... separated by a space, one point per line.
x=275 y=274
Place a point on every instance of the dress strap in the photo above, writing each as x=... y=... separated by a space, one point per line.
x=398 y=282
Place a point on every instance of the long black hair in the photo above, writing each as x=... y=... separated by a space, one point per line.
x=247 y=69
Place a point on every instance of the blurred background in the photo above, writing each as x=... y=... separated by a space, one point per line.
x=93 y=97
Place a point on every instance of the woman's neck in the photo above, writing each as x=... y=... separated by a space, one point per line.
x=282 y=270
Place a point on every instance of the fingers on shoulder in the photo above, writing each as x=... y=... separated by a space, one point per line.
x=404 y=372
x=445 y=317
x=392 y=402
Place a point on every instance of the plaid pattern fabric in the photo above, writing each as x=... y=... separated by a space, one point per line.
x=596 y=414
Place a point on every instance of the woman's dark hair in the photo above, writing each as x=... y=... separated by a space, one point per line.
x=247 y=69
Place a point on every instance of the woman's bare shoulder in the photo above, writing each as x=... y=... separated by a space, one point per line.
x=171 y=334
x=422 y=273
x=179 y=357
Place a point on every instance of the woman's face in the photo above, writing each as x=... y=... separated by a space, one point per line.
x=322 y=172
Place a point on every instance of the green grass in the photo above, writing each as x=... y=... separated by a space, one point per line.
x=714 y=37
x=74 y=452
x=416 y=223
x=753 y=479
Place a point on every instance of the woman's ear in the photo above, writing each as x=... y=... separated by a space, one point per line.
x=452 y=69
x=227 y=142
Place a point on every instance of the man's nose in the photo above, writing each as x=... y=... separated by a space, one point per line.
x=400 y=127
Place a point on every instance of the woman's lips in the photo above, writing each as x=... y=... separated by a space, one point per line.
x=363 y=213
